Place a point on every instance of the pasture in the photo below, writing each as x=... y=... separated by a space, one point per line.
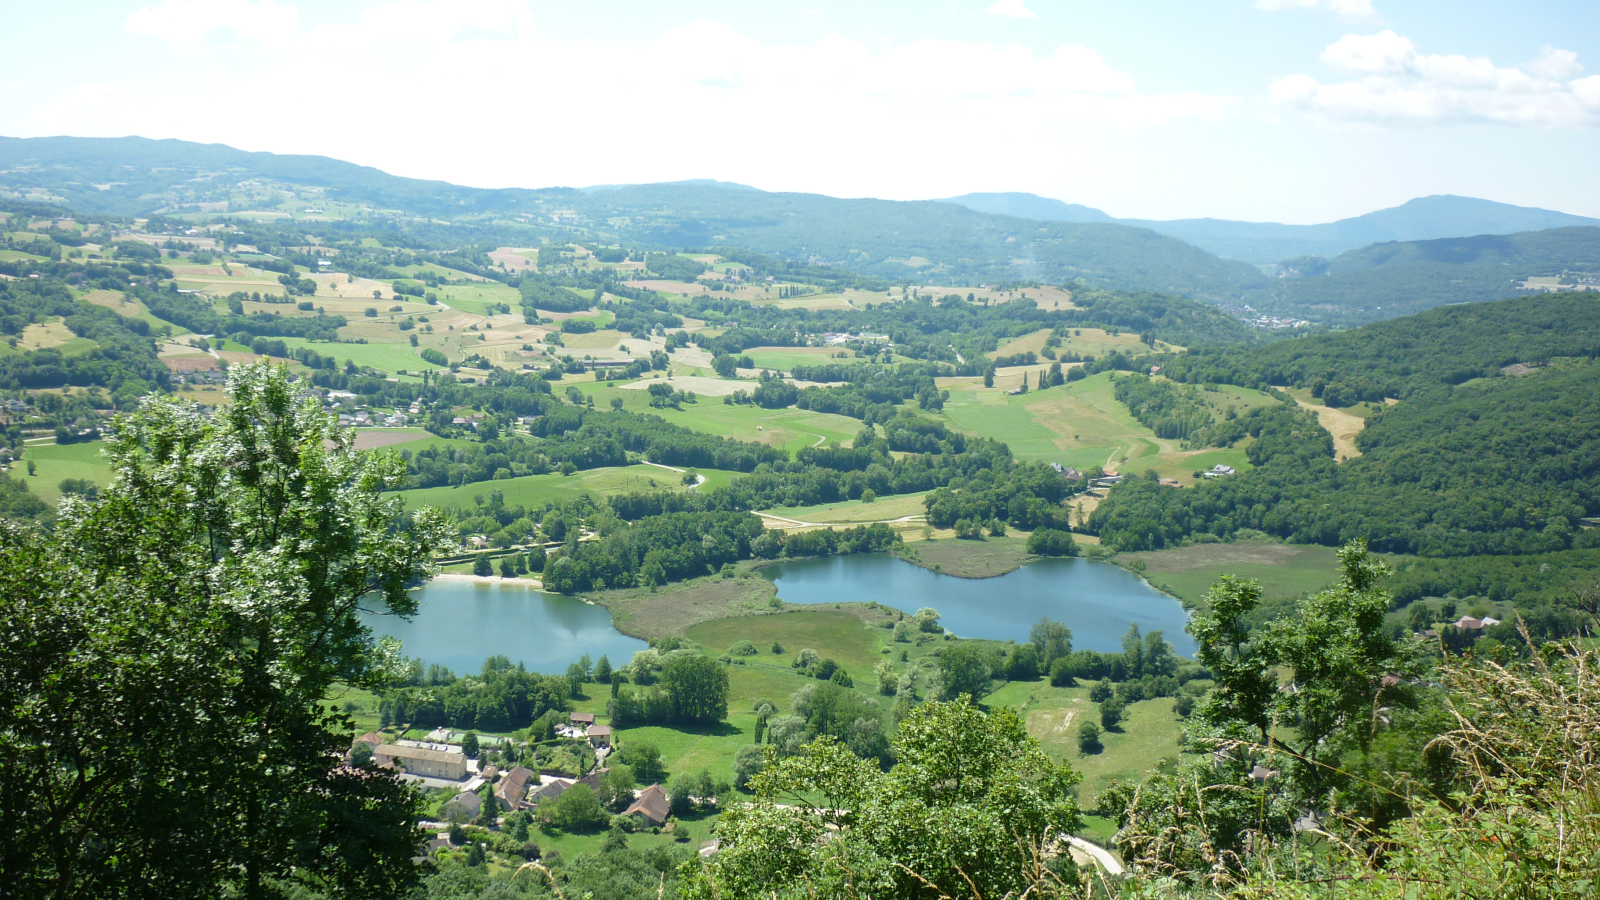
x=1094 y=342
x=537 y=490
x=1284 y=570
x=54 y=334
x=791 y=429
x=55 y=462
x=783 y=359
x=850 y=512
x=1082 y=424
x=767 y=295
x=128 y=308
x=1148 y=733
x=389 y=358
x=477 y=298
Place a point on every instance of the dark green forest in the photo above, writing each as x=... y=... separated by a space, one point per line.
x=1383 y=281
x=1504 y=466
x=1444 y=346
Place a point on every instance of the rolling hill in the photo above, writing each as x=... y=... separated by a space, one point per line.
x=916 y=242
x=1382 y=281
x=1016 y=238
x=1421 y=219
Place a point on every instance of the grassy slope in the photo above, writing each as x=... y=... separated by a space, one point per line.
x=384 y=357
x=790 y=429
x=536 y=490
x=1284 y=570
x=851 y=511
x=1148 y=734
x=55 y=462
x=1082 y=424
x=786 y=358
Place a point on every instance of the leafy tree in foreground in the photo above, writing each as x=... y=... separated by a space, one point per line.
x=168 y=648
x=963 y=813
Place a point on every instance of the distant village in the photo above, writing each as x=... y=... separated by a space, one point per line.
x=442 y=761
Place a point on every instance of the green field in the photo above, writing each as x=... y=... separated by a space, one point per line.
x=537 y=490
x=604 y=339
x=476 y=298
x=389 y=358
x=55 y=462
x=1284 y=570
x=851 y=511
x=786 y=358
x=1148 y=734
x=849 y=641
x=600 y=319
x=1082 y=424
x=790 y=429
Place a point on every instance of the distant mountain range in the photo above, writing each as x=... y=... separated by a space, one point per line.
x=1422 y=219
x=1382 y=281
x=924 y=241
x=1428 y=252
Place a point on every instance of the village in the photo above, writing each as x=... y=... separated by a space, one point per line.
x=483 y=793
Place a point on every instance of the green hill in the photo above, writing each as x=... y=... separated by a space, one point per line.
x=1383 y=281
x=1445 y=345
x=1421 y=219
x=926 y=242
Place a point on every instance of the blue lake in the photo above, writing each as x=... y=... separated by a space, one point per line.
x=459 y=624
x=1097 y=600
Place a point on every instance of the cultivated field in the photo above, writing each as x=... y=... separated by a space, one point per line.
x=1081 y=424
x=783 y=359
x=790 y=429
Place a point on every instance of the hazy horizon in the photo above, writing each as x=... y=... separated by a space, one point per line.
x=1291 y=111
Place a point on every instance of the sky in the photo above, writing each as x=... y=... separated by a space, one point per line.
x=1267 y=110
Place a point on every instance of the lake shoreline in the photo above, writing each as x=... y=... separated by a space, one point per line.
x=519 y=581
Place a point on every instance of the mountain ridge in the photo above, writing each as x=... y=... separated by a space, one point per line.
x=1433 y=217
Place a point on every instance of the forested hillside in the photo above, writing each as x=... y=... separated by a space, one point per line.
x=1503 y=466
x=922 y=242
x=1383 y=281
x=1420 y=219
x=1443 y=346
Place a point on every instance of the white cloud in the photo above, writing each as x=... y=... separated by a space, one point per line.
x=188 y=22
x=1016 y=9
x=1350 y=9
x=1397 y=85
x=1383 y=53
x=487 y=98
x=1553 y=63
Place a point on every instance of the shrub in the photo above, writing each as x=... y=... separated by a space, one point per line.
x=1100 y=691
x=1111 y=713
x=743 y=648
x=1089 y=738
x=1052 y=542
x=1183 y=705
